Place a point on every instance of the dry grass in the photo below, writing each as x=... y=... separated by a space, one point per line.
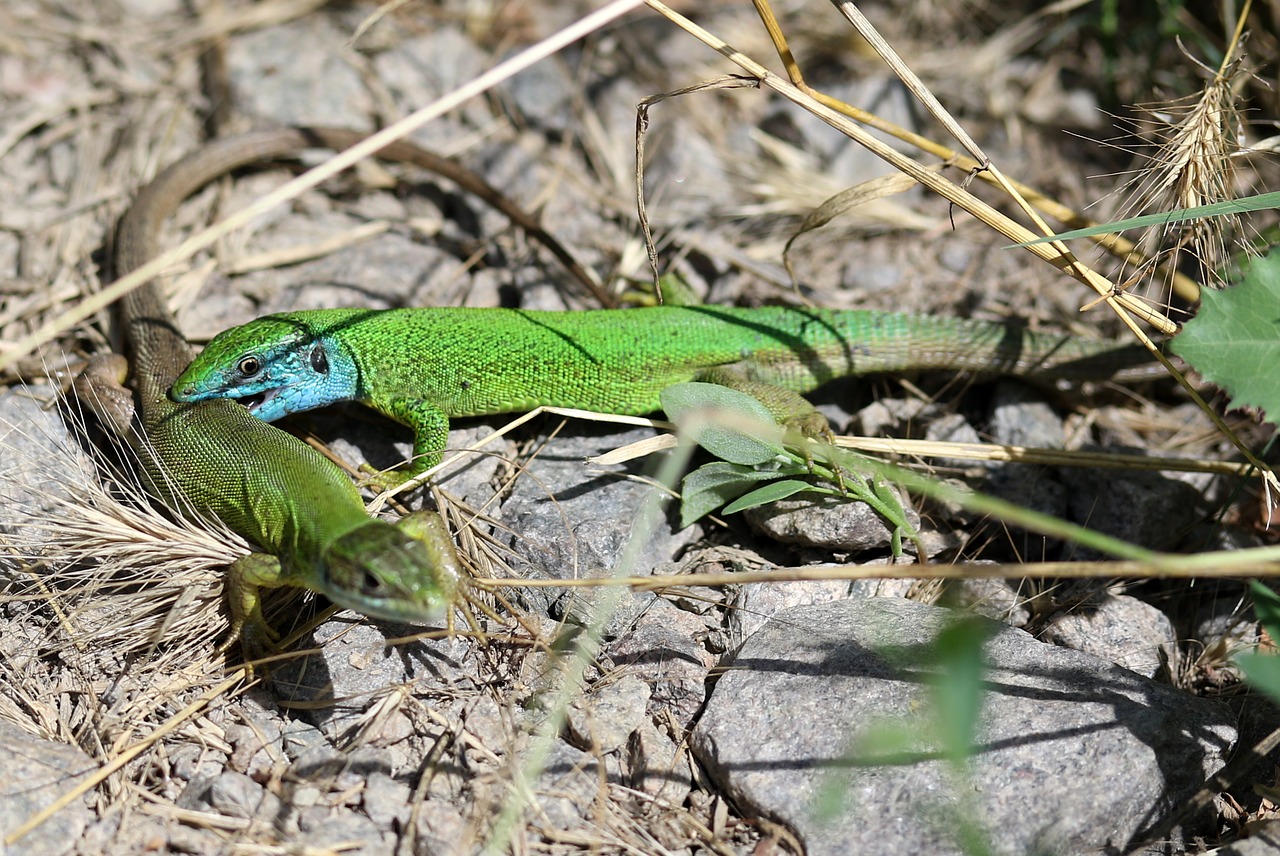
x=1194 y=165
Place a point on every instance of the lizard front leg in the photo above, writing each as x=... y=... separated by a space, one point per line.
x=246 y=577
x=430 y=427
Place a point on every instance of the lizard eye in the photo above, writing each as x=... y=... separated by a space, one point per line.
x=319 y=360
x=248 y=366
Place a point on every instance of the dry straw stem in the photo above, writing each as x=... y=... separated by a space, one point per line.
x=379 y=501
x=119 y=579
x=939 y=449
x=1124 y=305
x=1236 y=564
x=917 y=87
x=1026 y=195
x=1045 y=457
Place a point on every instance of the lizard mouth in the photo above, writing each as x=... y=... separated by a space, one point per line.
x=256 y=402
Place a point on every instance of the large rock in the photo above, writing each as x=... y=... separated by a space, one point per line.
x=570 y=521
x=33 y=774
x=1073 y=754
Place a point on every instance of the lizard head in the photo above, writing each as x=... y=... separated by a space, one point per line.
x=382 y=570
x=276 y=365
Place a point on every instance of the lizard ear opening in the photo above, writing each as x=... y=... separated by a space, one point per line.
x=319 y=360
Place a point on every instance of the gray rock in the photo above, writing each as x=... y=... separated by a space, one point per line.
x=1127 y=631
x=663 y=651
x=953 y=428
x=491 y=724
x=189 y=760
x=350 y=832
x=473 y=477
x=237 y=795
x=569 y=520
x=756 y=603
x=355 y=668
x=195 y=795
x=566 y=787
x=300 y=737
x=1144 y=508
x=1021 y=417
x=439 y=827
x=889 y=417
x=138 y=835
x=33 y=773
x=386 y=800
x=42 y=465
x=606 y=717
x=827 y=523
x=409 y=272
x=685 y=175
x=257 y=745
x=788 y=727
x=994 y=598
x=336 y=770
x=309 y=87
x=135 y=9
x=542 y=94
x=425 y=67
x=882 y=587
x=656 y=766
x=186 y=839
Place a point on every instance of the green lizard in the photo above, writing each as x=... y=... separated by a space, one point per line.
x=213 y=459
x=422 y=366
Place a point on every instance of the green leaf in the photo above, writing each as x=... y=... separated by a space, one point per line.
x=712 y=485
x=729 y=424
x=1261 y=671
x=1266 y=604
x=1234 y=341
x=958 y=692
x=1262 y=202
x=769 y=493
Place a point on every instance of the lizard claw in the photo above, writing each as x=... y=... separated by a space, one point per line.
x=257 y=640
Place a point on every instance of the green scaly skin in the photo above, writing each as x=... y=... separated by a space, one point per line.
x=212 y=459
x=422 y=366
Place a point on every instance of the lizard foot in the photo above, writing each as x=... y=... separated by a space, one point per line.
x=812 y=425
x=380 y=480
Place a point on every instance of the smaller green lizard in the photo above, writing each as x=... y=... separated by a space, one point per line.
x=421 y=367
x=212 y=459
